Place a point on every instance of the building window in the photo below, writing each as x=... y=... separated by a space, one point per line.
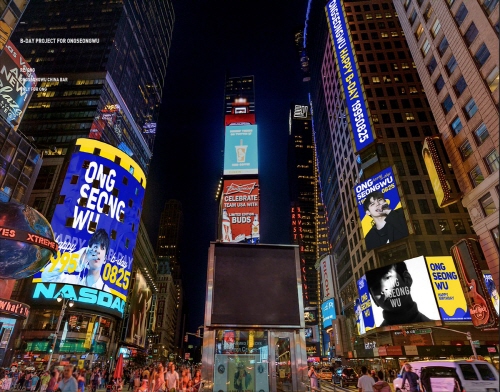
x=428 y=13
x=481 y=134
x=435 y=28
x=416 y=227
x=39 y=203
x=487 y=204
x=489 y=5
x=419 y=187
x=443 y=45
x=451 y=65
x=459 y=226
x=444 y=226
x=456 y=126
x=413 y=17
x=424 y=206
x=461 y=14
x=419 y=31
x=439 y=84
x=429 y=226
x=492 y=79
x=447 y=104
x=470 y=108
x=492 y=161
x=465 y=150
x=460 y=86
x=421 y=249
x=471 y=34
x=45 y=177
x=476 y=176
x=494 y=234
x=482 y=55
x=432 y=65
x=425 y=47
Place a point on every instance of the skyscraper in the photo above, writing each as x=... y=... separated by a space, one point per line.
x=455 y=48
x=169 y=234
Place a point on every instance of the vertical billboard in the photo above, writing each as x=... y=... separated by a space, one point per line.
x=95 y=224
x=240 y=150
x=398 y=294
x=447 y=289
x=140 y=304
x=492 y=290
x=328 y=313
x=240 y=211
x=382 y=217
x=325 y=266
x=17 y=83
x=359 y=115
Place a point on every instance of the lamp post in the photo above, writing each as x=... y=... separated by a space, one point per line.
x=65 y=303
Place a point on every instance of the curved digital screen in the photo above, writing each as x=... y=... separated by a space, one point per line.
x=95 y=224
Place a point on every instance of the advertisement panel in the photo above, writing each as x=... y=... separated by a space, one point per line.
x=382 y=217
x=17 y=83
x=239 y=119
x=240 y=211
x=390 y=298
x=359 y=115
x=328 y=312
x=95 y=224
x=363 y=308
x=447 y=288
x=240 y=373
x=240 y=150
x=140 y=304
x=492 y=290
x=326 y=277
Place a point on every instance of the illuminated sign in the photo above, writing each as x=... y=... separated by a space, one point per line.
x=140 y=303
x=95 y=224
x=300 y=111
x=239 y=119
x=240 y=150
x=298 y=236
x=382 y=218
x=240 y=211
x=492 y=290
x=14 y=308
x=351 y=81
x=326 y=277
x=328 y=313
x=447 y=288
x=17 y=82
x=363 y=309
x=149 y=128
x=440 y=185
x=398 y=294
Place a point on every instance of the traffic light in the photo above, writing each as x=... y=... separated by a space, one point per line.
x=185 y=338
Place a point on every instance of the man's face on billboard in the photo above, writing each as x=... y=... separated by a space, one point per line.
x=96 y=256
x=392 y=291
x=375 y=207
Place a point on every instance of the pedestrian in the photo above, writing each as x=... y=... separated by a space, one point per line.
x=391 y=374
x=95 y=380
x=6 y=382
x=374 y=375
x=313 y=377
x=68 y=382
x=81 y=381
x=172 y=378
x=381 y=385
x=365 y=382
x=412 y=378
x=44 y=381
x=34 y=382
x=52 y=384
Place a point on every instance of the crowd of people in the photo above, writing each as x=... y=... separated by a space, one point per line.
x=153 y=378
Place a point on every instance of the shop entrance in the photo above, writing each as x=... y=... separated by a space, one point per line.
x=286 y=355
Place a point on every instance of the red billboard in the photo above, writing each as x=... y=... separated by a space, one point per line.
x=240 y=211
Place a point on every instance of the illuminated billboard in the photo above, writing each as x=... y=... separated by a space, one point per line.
x=326 y=277
x=397 y=294
x=492 y=290
x=447 y=288
x=328 y=313
x=382 y=217
x=140 y=303
x=359 y=115
x=95 y=223
x=17 y=83
x=240 y=150
x=240 y=211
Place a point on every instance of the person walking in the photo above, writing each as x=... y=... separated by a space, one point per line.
x=412 y=378
x=172 y=378
x=365 y=382
x=34 y=382
x=68 y=382
x=381 y=385
x=44 y=381
x=313 y=376
x=95 y=380
x=52 y=384
x=81 y=381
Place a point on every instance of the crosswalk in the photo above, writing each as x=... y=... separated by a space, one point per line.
x=330 y=387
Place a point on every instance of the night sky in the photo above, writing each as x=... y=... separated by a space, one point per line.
x=210 y=39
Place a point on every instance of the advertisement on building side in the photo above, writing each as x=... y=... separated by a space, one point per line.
x=398 y=294
x=17 y=83
x=447 y=288
x=492 y=290
x=363 y=308
x=140 y=303
x=240 y=373
x=95 y=224
x=359 y=115
x=382 y=217
x=326 y=277
x=240 y=211
x=240 y=150
x=328 y=313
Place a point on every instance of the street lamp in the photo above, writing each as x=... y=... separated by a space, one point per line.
x=65 y=303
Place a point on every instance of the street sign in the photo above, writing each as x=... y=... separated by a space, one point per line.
x=476 y=343
x=422 y=331
x=186 y=355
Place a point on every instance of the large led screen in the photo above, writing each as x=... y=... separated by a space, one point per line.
x=397 y=294
x=382 y=217
x=95 y=223
x=240 y=211
x=240 y=150
x=447 y=288
x=140 y=303
x=359 y=115
x=492 y=290
x=17 y=83
x=328 y=313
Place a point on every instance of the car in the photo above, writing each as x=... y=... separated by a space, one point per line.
x=324 y=374
x=470 y=375
x=345 y=376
